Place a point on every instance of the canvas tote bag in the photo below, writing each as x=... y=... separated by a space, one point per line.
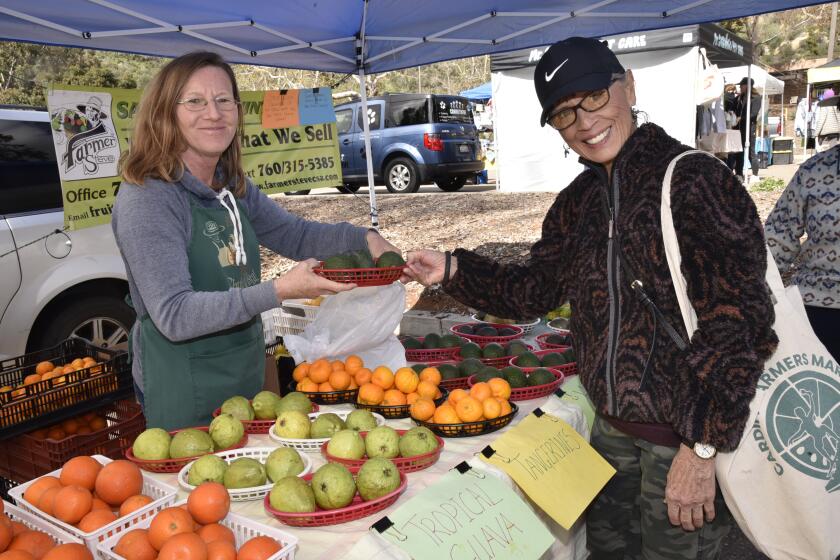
x=782 y=483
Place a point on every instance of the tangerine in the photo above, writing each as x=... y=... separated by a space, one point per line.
x=118 y=481
x=5 y=534
x=446 y=414
x=469 y=409
x=44 y=367
x=499 y=388
x=221 y=550
x=96 y=519
x=97 y=424
x=506 y=409
x=72 y=503
x=456 y=395
x=78 y=363
x=406 y=380
x=133 y=503
x=393 y=397
x=81 y=470
x=411 y=397
x=491 y=408
x=301 y=371
x=362 y=376
x=370 y=393
x=99 y=504
x=427 y=389
x=30 y=379
x=16 y=555
x=168 y=523
x=383 y=377
x=432 y=375
x=34 y=491
x=69 y=551
x=46 y=502
x=209 y=503
x=422 y=409
x=135 y=545
x=325 y=387
x=215 y=532
x=337 y=365
x=35 y=543
x=340 y=380
x=353 y=384
x=258 y=548
x=56 y=434
x=353 y=364
x=183 y=546
x=308 y=386
x=320 y=370
x=18 y=528
x=480 y=391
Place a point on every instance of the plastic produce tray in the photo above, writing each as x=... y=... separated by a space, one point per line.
x=313 y=445
x=399 y=410
x=430 y=354
x=328 y=397
x=526 y=327
x=485 y=340
x=58 y=535
x=404 y=464
x=258 y=427
x=469 y=429
x=535 y=392
x=362 y=276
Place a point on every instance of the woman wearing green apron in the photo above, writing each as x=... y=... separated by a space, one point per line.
x=189 y=226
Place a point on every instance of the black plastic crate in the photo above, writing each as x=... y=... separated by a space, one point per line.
x=5 y=486
x=39 y=404
x=782 y=144
x=782 y=158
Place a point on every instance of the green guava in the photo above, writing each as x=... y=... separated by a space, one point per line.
x=346 y=444
x=293 y=495
x=238 y=407
x=325 y=425
x=283 y=462
x=417 y=441
x=264 y=403
x=190 y=443
x=225 y=430
x=333 y=486
x=152 y=444
x=209 y=468
x=361 y=420
x=292 y=424
x=382 y=441
x=377 y=477
x=294 y=401
x=244 y=472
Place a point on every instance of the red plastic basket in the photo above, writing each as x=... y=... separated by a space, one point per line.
x=399 y=410
x=327 y=397
x=404 y=464
x=469 y=429
x=535 y=392
x=485 y=340
x=450 y=384
x=356 y=510
x=175 y=465
x=567 y=371
x=430 y=354
x=259 y=427
x=362 y=276
x=545 y=345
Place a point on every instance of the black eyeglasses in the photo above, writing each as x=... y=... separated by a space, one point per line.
x=567 y=116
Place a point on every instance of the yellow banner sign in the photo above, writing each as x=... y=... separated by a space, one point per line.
x=553 y=465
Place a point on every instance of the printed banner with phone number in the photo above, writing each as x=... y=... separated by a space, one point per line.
x=298 y=150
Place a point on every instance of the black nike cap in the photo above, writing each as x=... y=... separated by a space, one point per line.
x=573 y=64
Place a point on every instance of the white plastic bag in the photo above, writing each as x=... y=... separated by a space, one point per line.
x=361 y=322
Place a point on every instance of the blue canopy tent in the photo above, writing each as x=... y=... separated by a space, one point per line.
x=478 y=93
x=353 y=36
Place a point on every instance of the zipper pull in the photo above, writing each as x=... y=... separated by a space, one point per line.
x=611 y=229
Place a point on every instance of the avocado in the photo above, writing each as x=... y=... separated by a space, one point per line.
x=486 y=375
x=559 y=339
x=569 y=355
x=339 y=262
x=491 y=370
x=449 y=371
x=528 y=359
x=466 y=329
x=540 y=376
x=553 y=359
x=510 y=370
x=516 y=348
x=470 y=366
x=450 y=341
x=411 y=343
x=493 y=350
x=516 y=379
x=506 y=331
x=389 y=258
x=363 y=259
x=432 y=340
x=471 y=350
x=486 y=330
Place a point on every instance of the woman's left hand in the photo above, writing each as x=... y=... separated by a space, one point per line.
x=378 y=245
x=690 y=490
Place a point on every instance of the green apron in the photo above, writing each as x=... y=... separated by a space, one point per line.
x=184 y=382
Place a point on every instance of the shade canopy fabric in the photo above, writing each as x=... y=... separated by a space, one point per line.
x=479 y=93
x=348 y=35
x=764 y=82
x=829 y=72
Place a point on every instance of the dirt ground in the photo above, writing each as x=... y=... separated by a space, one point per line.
x=498 y=224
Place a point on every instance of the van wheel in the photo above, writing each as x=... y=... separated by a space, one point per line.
x=401 y=176
x=104 y=321
x=293 y=193
x=348 y=188
x=451 y=184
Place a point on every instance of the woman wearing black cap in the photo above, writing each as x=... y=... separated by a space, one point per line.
x=664 y=404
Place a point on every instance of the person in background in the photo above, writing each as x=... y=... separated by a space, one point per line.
x=741 y=124
x=827 y=130
x=811 y=205
x=664 y=404
x=189 y=225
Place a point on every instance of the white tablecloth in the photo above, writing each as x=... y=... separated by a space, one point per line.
x=355 y=541
x=721 y=142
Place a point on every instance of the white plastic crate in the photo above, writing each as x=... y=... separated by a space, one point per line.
x=163 y=495
x=526 y=327
x=313 y=445
x=278 y=323
x=59 y=535
x=299 y=308
x=244 y=494
x=242 y=527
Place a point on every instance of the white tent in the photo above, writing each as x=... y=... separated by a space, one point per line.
x=765 y=84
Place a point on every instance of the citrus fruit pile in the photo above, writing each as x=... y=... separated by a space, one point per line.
x=483 y=401
x=48 y=370
x=77 y=426
x=403 y=387
x=89 y=495
x=326 y=376
x=19 y=542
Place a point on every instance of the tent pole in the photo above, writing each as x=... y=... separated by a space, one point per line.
x=374 y=215
x=807 y=120
x=747 y=124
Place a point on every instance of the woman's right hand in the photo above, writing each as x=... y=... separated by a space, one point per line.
x=427 y=267
x=302 y=282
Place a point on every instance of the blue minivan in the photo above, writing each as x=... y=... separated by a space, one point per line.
x=415 y=138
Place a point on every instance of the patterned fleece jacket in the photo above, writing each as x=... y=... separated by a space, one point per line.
x=810 y=204
x=703 y=392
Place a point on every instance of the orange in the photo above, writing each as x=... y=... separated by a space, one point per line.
x=456 y=395
x=97 y=423
x=81 y=470
x=135 y=545
x=308 y=386
x=500 y=388
x=99 y=504
x=337 y=365
x=78 y=363
x=46 y=502
x=70 y=551
x=18 y=528
x=353 y=364
x=183 y=546
x=353 y=384
x=325 y=387
x=44 y=367
x=16 y=555
x=427 y=389
x=371 y=394
x=363 y=376
x=301 y=371
x=411 y=397
x=340 y=380
x=393 y=397
x=491 y=408
x=422 y=409
x=133 y=504
x=70 y=427
x=96 y=519
x=209 y=503
x=89 y=361
x=480 y=391
x=258 y=548
x=506 y=409
x=38 y=487
x=432 y=375
x=406 y=380
x=30 y=379
x=118 y=481
x=5 y=533
x=383 y=377
x=221 y=550
x=445 y=414
x=167 y=523
x=72 y=503
x=469 y=409
x=35 y=543
x=215 y=532
x=320 y=370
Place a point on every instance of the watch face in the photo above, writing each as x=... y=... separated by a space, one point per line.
x=704 y=450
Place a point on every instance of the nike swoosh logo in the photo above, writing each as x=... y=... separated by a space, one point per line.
x=548 y=76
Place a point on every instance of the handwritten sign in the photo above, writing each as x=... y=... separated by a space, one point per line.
x=553 y=465
x=467 y=516
x=280 y=109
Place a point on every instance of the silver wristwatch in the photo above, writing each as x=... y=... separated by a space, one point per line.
x=704 y=450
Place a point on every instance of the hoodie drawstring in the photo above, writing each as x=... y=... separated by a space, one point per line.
x=238 y=237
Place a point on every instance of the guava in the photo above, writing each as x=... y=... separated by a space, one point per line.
x=292 y=494
x=325 y=425
x=292 y=424
x=294 y=401
x=244 y=472
x=333 y=486
x=346 y=444
x=152 y=444
x=283 y=462
x=189 y=443
x=264 y=403
x=238 y=407
x=417 y=441
x=226 y=430
x=377 y=477
x=382 y=441
x=209 y=468
x=360 y=420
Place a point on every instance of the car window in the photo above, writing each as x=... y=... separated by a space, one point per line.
x=409 y=111
x=374 y=116
x=29 y=178
x=451 y=109
x=344 y=120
